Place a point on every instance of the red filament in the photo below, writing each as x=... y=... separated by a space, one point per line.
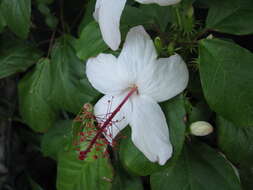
x=108 y=122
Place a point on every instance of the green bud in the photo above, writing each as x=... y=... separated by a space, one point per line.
x=158 y=43
x=44 y=9
x=51 y=21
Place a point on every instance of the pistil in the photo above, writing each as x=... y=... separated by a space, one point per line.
x=106 y=123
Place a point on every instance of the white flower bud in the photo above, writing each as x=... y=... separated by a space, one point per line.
x=210 y=36
x=201 y=128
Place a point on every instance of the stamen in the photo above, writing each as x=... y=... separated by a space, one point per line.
x=107 y=123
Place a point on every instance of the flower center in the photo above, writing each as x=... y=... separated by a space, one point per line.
x=133 y=87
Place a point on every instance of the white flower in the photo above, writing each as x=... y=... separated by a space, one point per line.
x=156 y=80
x=108 y=13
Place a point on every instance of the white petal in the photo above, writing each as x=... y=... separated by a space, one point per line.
x=104 y=74
x=169 y=77
x=108 y=13
x=159 y=2
x=103 y=109
x=137 y=53
x=150 y=132
x=97 y=6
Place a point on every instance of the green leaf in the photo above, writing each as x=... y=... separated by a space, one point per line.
x=246 y=176
x=175 y=113
x=56 y=139
x=226 y=69
x=134 y=161
x=124 y=181
x=2 y=22
x=88 y=15
x=50 y=19
x=199 y=112
x=34 y=90
x=75 y=174
x=45 y=1
x=16 y=57
x=90 y=42
x=198 y=168
x=231 y=16
x=155 y=14
x=17 y=14
x=133 y=16
x=70 y=88
x=236 y=142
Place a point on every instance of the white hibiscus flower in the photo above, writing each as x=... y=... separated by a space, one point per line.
x=143 y=80
x=108 y=13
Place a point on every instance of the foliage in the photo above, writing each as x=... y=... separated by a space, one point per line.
x=44 y=47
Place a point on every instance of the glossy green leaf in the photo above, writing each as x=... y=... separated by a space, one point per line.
x=75 y=174
x=226 y=76
x=17 y=14
x=236 y=142
x=231 y=16
x=134 y=161
x=90 y=42
x=16 y=57
x=34 y=90
x=198 y=168
x=71 y=88
x=56 y=139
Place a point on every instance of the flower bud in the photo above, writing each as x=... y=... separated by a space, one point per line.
x=88 y=107
x=201 y=128
x=209 y=36
x=158 y=42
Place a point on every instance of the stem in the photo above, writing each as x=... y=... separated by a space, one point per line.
x=178 y=18
x=107 y=122
x=51 y=43
x=200 y=34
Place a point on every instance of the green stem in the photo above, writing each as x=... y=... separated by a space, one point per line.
x=178 y=18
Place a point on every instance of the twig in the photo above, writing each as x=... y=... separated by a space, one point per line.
x=51 y=43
